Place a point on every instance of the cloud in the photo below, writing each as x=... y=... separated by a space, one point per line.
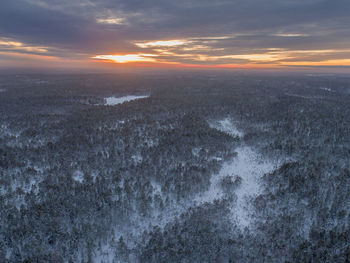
x=182 y=31
x=290 y=35
x=111 y=21
x=162 y=43
x=7 y=44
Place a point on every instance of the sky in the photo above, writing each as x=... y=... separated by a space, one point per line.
x=108 y=34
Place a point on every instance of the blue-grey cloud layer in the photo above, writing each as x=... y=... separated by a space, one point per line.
x=71 y=26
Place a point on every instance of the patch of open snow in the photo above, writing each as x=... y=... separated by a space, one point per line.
x=157 y=189
x=137 y=158
x=326 y=89
x=248 y=166
x=218 y=159
x=195 y=151
x=8 y=253
x=112 y=101
x=27 y=188
x=5 y=131
x=78 y=176
x=227 y=126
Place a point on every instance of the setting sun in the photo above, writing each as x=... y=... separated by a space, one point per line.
x=127 y=58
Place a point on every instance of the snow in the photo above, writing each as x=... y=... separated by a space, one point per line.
x=112 y=101
x=29 y=186
x=249 y=166
x=78 y=176
x=8 y=254
x=218 y=159
x=137 y=158
x=157 y=189
x=6 y=131
x=2 y=90
x=227 y=126
x=326 y=89
x=195 y=151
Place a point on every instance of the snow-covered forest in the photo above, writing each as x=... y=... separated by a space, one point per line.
x=182 y=167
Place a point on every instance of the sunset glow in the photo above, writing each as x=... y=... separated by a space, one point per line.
x=127 y=58
x=214 y=34
x=272 y=57
x=332 y=62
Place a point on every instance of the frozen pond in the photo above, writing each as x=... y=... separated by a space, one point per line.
x=112 y=101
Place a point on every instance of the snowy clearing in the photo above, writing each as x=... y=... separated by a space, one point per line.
x=326 y=89
x=78 y=176
x=250 y=167
x=112 y=101
x=241 y=176
x=227 y=126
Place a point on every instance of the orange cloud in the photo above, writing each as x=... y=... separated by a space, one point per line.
x=9 y=44
x=330 y=62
